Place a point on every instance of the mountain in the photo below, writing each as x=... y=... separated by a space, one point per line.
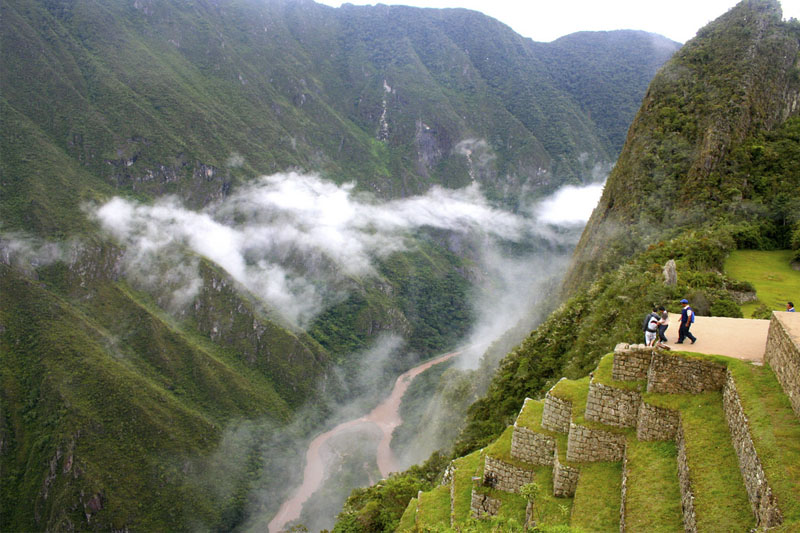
x=131 y=379
x=710 y=165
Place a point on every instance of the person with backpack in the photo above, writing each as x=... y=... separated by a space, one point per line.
x=687 y=319
x=650 y=327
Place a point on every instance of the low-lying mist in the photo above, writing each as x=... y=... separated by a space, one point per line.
x=293 y=240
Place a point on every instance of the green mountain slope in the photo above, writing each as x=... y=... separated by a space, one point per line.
x=158 y=98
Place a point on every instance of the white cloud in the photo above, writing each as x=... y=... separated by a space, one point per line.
x=288 y=238
x=570 y=204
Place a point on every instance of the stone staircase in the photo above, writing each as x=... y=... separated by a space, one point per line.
x=650 y=441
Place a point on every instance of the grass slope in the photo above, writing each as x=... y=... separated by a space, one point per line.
x=597 y=498
x=770 y=272
x=654 y=499
x=775 y=431
x=720 y=497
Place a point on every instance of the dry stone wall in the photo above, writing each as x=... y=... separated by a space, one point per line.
x=765 y=507
x=783 y=356
x=565 y=478
x=631 y=362
x=612 y=406
x=504 y=476
x=685 y=482
x=623 y=491
x=587 y=445
x=483 y=504
x=556 y=414
x=656 y=423
x=673 y=374
x=531 y=447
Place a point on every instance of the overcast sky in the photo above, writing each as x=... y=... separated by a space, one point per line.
x=545 y=20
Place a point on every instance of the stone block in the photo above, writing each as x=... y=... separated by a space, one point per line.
x=531 y=447
x=483 y=505
x=505 y=476
x=674 y=374
x=587 y=445
x=565 y=478
x=612 y=406
x=556 y=414
x=656 y=423
x=631 y=362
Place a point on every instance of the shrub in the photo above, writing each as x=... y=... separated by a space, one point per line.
x=726 y=307
x=762 y=312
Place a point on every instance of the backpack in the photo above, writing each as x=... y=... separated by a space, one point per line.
x=693 y=313
x=647 y=321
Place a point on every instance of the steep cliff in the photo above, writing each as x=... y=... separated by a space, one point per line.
x=737 y=80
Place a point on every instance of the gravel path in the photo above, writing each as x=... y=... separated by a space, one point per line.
x=742 y=338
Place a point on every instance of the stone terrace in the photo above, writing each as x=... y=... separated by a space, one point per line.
x=628 y=401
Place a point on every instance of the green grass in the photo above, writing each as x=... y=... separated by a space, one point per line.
x=551 y=510
x=597 y=497
x=770 y=273
x=434 y=508
x=466 y=468
x=408 y=520
x=720 y=498
x=575 y=391
x=775 y=431
x=653 y=499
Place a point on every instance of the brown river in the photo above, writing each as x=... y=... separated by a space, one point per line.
x=385 y=416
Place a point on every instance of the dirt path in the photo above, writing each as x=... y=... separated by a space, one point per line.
x=386 y=416
x=742 y=338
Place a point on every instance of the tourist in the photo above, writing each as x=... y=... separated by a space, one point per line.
x=790 y=307
x=663 y=323
x=687 y=319
x=651 y=328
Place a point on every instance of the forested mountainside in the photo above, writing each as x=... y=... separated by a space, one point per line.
x=143 y=378
x=156 y=97
x=710 y=164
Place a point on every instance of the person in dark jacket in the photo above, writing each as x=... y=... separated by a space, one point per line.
x=663 y=324
x=687 y=317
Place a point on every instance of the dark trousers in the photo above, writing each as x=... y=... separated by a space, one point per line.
x=683 y=332
x=661 y=330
